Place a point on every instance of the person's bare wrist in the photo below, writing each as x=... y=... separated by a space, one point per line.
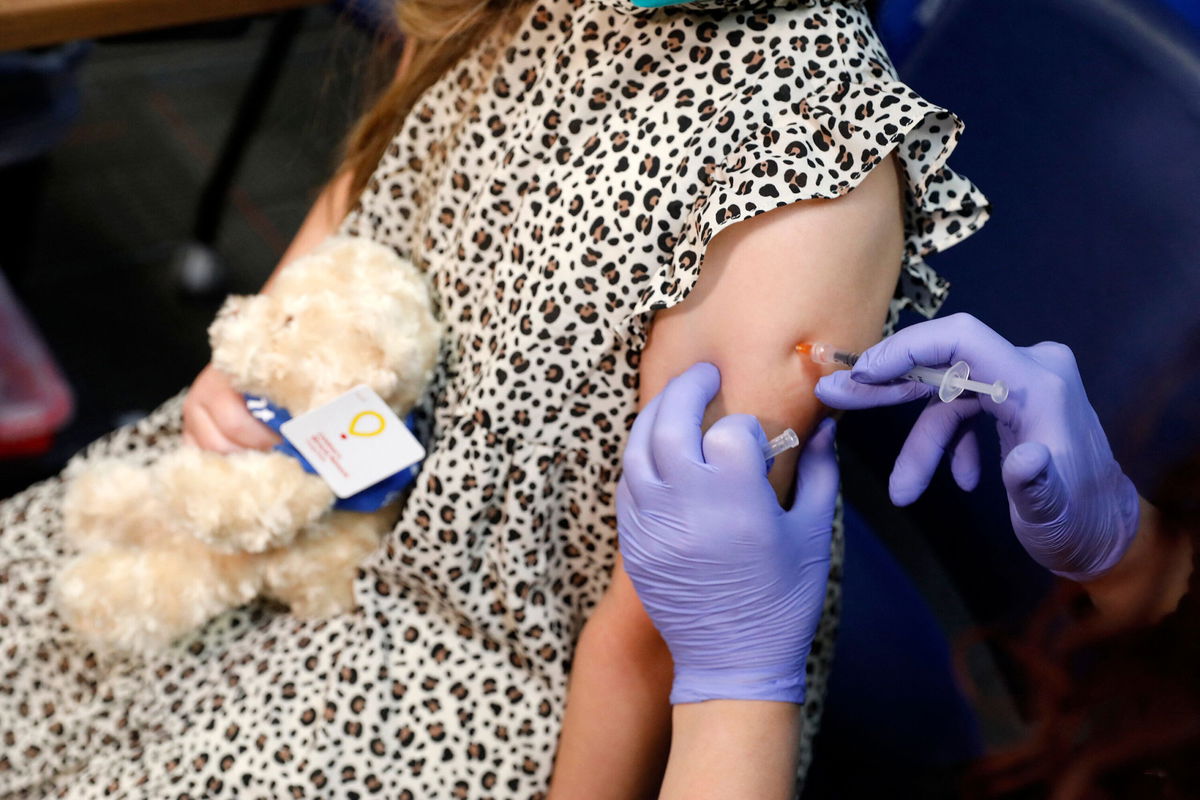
x=733 y=749
x=1149 y=580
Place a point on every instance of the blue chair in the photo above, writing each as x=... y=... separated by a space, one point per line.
x=39 y=99
x=896 y=723
x=376 y=17
x=902 y=23
x=1084 y=130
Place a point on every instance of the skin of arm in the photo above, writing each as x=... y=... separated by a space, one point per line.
x=733 y=749
x=1149 y=581
x=322 y=220
x=820 y=269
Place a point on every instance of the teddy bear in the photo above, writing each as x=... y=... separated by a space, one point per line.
x=165 y=547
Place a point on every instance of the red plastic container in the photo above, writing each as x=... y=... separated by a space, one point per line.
x=35 y=400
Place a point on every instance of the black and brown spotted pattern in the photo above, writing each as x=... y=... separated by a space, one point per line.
x=558 y=191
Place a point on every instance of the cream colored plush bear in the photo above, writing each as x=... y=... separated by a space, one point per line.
x=166 y=547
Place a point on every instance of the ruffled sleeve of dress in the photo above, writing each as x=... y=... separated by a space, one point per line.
x=821 y=141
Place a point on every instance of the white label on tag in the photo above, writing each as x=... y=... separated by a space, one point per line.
x=354 y=441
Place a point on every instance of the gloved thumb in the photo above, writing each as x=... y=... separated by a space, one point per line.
x=817 y=477
x=735 y=443
x=1035 y=489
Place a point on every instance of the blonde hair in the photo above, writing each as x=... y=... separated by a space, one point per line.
x=440 y=32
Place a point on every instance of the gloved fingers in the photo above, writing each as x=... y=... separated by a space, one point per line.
x=638 y=460
x=629 y=537
x=939 y=342
x=676 y=437
x=734 y=445
x=964 y=457
x=1035 y=489
x=817 y=478
x=1056 y=357
x=1057 y=380
x=925 y=446
x=839 y=390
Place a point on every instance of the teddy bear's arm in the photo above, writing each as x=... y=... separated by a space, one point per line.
x=248 y=501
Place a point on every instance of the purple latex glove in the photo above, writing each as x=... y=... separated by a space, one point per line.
x=1071 y=505
x=734 y=583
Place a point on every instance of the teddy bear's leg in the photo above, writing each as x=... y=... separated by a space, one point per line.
x=143 y=599
x=247 y=501
x=315 y=574
x=110 y=502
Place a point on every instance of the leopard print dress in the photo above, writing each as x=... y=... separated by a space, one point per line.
x=559 y=186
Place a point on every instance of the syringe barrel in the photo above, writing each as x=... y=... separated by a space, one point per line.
x=949 y=382
x=926 y=375
x=824 y=353
x=781 y=444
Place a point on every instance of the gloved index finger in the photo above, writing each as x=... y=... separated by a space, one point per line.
x=676 y=438
x=936 y=343
x=638 y=460
x=838 y=390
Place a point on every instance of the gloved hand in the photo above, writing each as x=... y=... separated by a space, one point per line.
x=1071 y=506
x=734 y=583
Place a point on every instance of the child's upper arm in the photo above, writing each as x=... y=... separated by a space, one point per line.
x=814 y=270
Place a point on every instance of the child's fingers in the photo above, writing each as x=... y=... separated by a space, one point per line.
x=215 y=414
x=205 y=432
x=238 y=425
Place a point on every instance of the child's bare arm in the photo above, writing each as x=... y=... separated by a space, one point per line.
x=818 y=269
x=618 y=724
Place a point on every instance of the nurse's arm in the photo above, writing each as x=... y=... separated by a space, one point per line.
x=1150 y=580
x=733 y=750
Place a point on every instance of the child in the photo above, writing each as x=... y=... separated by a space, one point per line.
x=561 y=169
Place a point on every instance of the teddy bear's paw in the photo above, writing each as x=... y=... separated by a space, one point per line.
x=315 y=575
x=142 y=600
x=244 y=502
x=110 y=502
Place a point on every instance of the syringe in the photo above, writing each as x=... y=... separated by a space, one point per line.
x=780 y=444
x=950 y=382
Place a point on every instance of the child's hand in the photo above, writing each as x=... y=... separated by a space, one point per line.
x=215 y=417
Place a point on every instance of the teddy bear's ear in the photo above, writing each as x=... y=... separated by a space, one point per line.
x=232 y=307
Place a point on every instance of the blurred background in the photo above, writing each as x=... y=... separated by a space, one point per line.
x=146 y=172
x=142 y=177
